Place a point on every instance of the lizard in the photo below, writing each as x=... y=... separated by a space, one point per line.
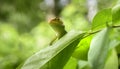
x=57 y=25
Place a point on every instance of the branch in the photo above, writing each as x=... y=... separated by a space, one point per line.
x=99 y=31
x=115 y=26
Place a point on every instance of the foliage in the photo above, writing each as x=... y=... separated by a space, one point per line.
x=24 y=31
x=100 y=49
x=19 y=13
x=13 y=47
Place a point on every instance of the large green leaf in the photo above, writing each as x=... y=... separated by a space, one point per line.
x=55 y=56
x=101 y=18
x=116 y=14
x=99 y=49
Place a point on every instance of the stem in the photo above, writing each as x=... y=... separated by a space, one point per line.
x=99 y=31
x=115 y=26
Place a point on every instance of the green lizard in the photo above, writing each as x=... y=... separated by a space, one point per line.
x=58 y=26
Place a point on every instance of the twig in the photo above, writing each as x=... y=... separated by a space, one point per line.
x=98 y=31
x=115 y=26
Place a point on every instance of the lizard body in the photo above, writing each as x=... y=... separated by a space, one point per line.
x=58 y=26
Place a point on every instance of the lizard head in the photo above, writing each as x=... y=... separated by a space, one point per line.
x=56 y=21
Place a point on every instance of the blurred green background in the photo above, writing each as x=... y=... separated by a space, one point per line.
x=24 y=27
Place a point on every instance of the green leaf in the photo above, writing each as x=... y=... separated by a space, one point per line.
x=71 y=64
x=114 y=43
x=81 y=50
x=55 y=56
x=114 y=38
x=101 y=18
x=118 y=48
x=99 y=49
x=116 y=14
x=83 y=64
x=112 y=60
